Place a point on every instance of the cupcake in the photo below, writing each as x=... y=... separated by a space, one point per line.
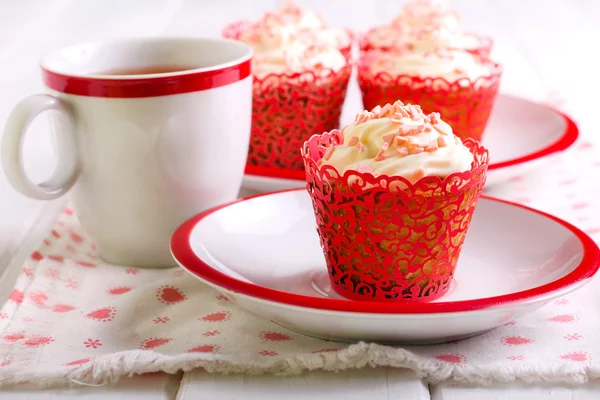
x=393 y=195
x=300 y=80
x=459 y=85
x=426 y=21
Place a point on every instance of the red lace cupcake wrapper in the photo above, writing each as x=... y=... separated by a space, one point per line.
x=386 y=239
x=288 y=109
x=465 y=105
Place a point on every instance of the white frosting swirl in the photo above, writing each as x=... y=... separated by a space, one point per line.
x=399 y=140
x=426 y=24
x=297 y=57
x=391 y=36
x=294 y=40
x=452 y=65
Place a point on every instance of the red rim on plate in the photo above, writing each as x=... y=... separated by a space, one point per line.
x=569 y=136
x=183 y=253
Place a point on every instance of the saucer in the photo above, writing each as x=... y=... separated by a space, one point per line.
x=263 y=253
x=519 y=133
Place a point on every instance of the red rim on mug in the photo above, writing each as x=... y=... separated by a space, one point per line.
x=384 y=238
x=147 y=85
x=464 y=104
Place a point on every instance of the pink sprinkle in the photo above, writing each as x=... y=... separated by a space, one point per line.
x=411 y=131
x=385 y=109
x=402 y=151
x=388 y=138
x=401 y=113
x=364 y=169
x=419 y=174
x=435 y=118
x=353 y=141
x=381 y=155
x=403 y=132
x=360 y=147
x=363 y=117
x=441 y=142
x=400 y=140
x=430 y=148
x=414 y=115
x=416 y=150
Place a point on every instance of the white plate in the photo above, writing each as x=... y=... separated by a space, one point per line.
x=264 y=253
x=519 y=133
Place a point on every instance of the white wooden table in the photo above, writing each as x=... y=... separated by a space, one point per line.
x=547 y=47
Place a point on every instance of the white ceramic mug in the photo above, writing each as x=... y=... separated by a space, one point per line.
x=142 y=152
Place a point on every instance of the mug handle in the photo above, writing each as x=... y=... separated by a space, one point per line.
x=68 y=166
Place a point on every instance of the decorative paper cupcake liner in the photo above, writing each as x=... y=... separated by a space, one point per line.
x=483 y=49
x=289 y=109
x=385 y=239
x=464 y=104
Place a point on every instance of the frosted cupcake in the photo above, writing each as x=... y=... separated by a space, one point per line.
x=393 y=194
x=426 y=21
x=300 y=81
x=460 y=86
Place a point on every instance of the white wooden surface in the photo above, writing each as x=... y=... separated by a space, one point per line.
x=547 y=48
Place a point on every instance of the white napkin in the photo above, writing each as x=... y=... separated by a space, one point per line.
x=71 y=318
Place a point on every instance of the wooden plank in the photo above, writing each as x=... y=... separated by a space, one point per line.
x=147 y=387
x=369 y=383
x=516 y=391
